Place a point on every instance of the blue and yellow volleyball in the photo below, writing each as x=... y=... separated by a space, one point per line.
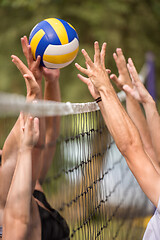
x=56 y=41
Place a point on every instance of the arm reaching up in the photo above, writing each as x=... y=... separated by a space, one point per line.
x=49 y=126
x=121 y=127
x=52 y=124
x=17 y=214
x=132 y=105
x=12 y=142
x=140 y=93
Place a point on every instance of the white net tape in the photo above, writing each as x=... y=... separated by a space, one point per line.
x=12 y=104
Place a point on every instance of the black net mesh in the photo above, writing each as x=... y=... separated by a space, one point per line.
x=90 y=184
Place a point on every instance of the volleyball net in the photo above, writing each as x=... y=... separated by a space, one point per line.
x=89 y=182
x=91 y=185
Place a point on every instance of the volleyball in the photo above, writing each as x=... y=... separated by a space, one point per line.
x=56 y=41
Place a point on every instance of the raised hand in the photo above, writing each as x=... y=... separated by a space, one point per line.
x=95 y=71
x=90 y=85
x=139 y=92
x=33 y=89
x=34 y=65
x=124 y=77
x=29 y=131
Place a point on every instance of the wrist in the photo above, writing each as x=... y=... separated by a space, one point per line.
x=51 y=78
x=149 y=103
x=52 y=83
x=105 y=89
x=39 y=80
x=25 y=149
x=98 y=99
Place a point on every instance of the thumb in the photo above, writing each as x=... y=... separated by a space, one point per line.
x=127 y=89
x=114 y=78
x=131 y=91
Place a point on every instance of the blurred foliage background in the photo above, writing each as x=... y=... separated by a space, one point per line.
x=132 y=25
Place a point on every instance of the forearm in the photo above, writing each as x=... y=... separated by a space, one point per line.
x=136 y=114
x=11 y=144
x=9 y=160
x=153 y=121
x=52 y=92
x=127 y=139
x=118 y=122
x=6 y=174
x=20 y=192
x=106 y=116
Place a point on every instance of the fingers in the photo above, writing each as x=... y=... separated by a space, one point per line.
x=108 y=71
x=27 y=74
x=21 y=118
x=33 y=123
x=33 y=128
x=20 y=65
x=116 y=54
x=29 y=77
x=32 y=86
x=37 y=62
x=103 y=54
x=24 y=44
x=87 y=58
x=119 y=52
x=114 y=78
x=30 y=128
x=27 y=50
x=133 y=92
x=30 y=59
x=97 y=53
x=130 y=62
x=26 y=40
x=99 y=57
x=28 y=53
x=81 y=69
x=83 y=79
x=132 y=70
x=120 y=60
x=29 y=123
x=26 y=124
x=36 y=128
x=128 y=89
